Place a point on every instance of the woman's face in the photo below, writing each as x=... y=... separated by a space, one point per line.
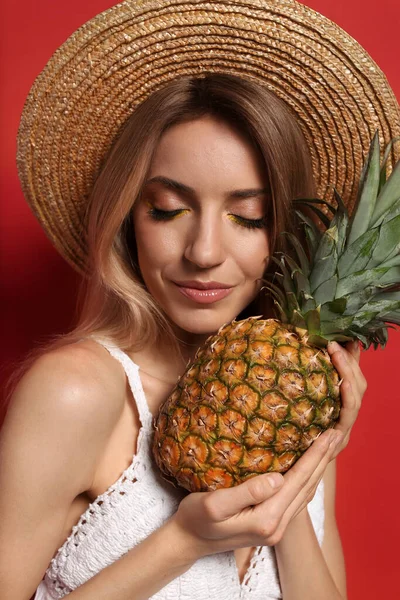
x=201 y=239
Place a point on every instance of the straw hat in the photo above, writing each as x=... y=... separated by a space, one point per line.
x=95 y=80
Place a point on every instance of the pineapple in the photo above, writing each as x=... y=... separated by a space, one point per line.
x=260 y=391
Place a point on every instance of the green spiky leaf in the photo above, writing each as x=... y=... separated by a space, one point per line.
x=313 y=321
x=390 y=214
x=356 y=300
x=298 y=320
x=393 y=317
x=301 y=255
x=326 y=291
x=368 y=190
x=388 y=149
x=320 y=215
x=349 y=285
x=312 y=201
x=325 y=261
x=389 y=194
x=341 y=221
x=358 y=281
x=357 y=256
x=338 y=306
x=307 y=303
x=313 y=235
x=387 y=242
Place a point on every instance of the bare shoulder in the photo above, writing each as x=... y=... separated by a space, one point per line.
x=79 y=376
x=75 y=392
x=61 y=416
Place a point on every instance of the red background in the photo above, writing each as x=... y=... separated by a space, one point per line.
x=39 y=287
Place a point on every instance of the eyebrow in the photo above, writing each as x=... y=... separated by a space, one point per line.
x=181 y=187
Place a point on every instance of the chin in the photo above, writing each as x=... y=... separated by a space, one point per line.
x=203 y=322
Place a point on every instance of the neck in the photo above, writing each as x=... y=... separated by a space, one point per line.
x=163 y=361
x=188 y=344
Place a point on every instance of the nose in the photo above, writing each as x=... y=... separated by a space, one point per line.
x=205 y=246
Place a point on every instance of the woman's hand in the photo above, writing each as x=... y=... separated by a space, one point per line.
x=253 y=513
x=346 y=361
x=353 y=386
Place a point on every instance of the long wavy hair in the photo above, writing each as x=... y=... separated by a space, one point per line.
x=113 y=300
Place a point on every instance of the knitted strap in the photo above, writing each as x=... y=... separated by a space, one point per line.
x=132 y=372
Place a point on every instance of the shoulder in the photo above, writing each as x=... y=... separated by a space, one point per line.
x=78 y=376
x=60 y=418
x=74 y=395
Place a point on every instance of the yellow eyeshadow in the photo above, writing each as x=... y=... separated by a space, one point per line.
x=235 y=219
x=181 y=214
x=167 y=217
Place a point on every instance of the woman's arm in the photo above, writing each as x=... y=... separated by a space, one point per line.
x=307 y=570
x=144 y=570
x=60 y=419
x=331 y=544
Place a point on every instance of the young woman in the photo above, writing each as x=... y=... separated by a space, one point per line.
x=189 y=201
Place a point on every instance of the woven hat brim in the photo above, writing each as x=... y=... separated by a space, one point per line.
x=111 y=64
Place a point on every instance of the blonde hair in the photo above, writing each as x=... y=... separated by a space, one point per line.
x=113 y=300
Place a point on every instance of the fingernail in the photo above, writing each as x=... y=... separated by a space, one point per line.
x=334 y=346
x=275 y=480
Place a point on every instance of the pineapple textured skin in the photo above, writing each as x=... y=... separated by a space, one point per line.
x=254 y=398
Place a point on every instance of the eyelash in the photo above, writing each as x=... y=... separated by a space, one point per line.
x=165 y=215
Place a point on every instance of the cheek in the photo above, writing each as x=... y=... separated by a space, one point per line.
x=156 y=246
x=253 y=257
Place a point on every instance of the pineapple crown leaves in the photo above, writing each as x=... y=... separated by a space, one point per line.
x=347 y=286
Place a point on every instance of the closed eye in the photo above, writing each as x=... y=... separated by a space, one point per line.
x=249 y=223
x=165 y=215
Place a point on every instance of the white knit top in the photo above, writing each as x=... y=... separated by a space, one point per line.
x=137 y=504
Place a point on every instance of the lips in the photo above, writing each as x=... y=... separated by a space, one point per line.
x=203 y=285
x=204 y=292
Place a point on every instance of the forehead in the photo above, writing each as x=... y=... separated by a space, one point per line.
x=207 y=152
x=177 y=186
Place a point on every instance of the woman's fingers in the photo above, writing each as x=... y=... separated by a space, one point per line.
x=354 y=349
x=349 y=410
x=260 y=509
x=292 y=513
x=352 y=388
x=346 y=362
x=305 y=473
x=298 y=479
x=307 y=493
x=225 y=503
